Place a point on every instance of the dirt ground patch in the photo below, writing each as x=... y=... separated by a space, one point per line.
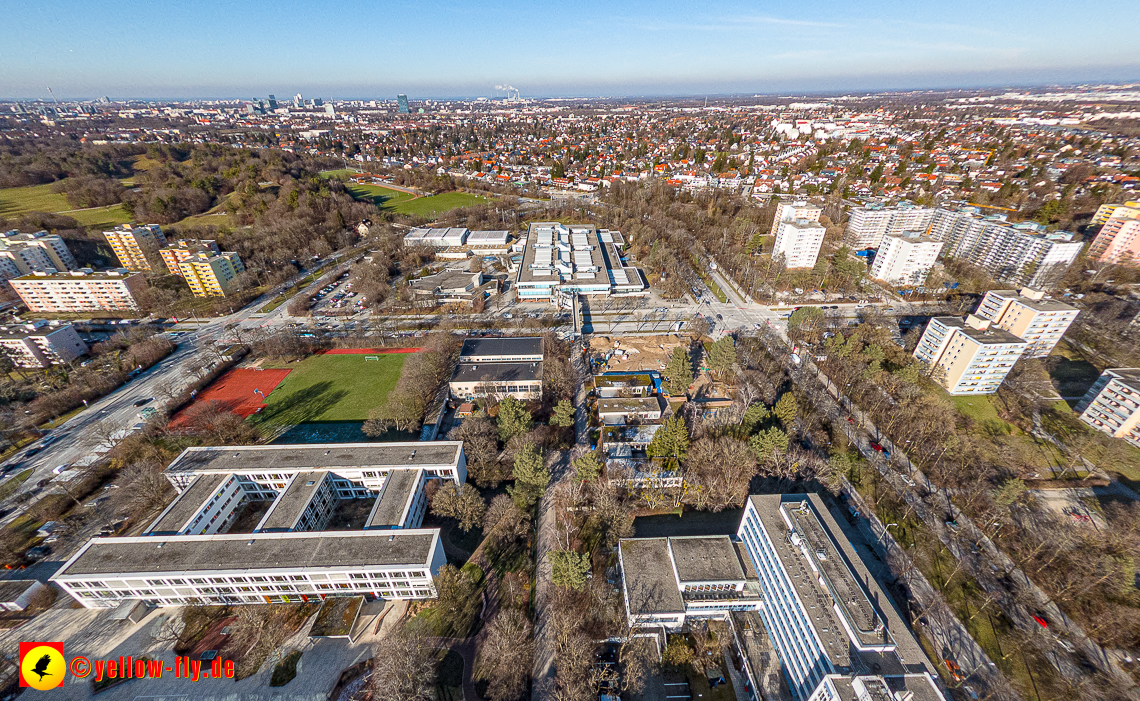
x=636 y=352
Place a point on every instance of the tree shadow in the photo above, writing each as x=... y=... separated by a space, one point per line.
x=1071 y=378
x=302 y=406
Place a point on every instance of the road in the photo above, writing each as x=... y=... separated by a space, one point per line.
x=1065 y=645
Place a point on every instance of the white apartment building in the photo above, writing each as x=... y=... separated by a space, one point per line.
x=968 y=356
x=790 y=572
x=23 y=254
x=80 y=291
x=1009 y=254
x=905 y=259
x=798 y=241
x=1112 y=404
x=794 y=211
x=1029 y=315
x=40 y=345
x=189 y=555
x=867 y=226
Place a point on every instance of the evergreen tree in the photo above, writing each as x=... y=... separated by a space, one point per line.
x=753 y=415
x=769 y=444
x=671 y=440
x=568 y=569
x=563 y=414
x=786 y=410
x=531 y=476
x=679 y=372
x=722 y=354
x=587 y=468
x=513 y=419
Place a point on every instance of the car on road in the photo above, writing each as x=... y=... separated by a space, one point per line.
x=876 y=447
x=143 y=402
x=60 y=469
x=39 y=552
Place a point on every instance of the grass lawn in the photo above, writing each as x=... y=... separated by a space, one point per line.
x=40 y=198
x=978 y=407
x=13 y=483
x=382 y=197
x=331 y=388
x=438 y=204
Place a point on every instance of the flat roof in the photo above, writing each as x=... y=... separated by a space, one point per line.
x=239 y=552
x=317 y=456
x=1126 y=376
x=20 y=332
x=11 y=589
x=188 y=503
x=290 y=504
x=509 y=346
x=85 y=277
x=1041 y=305
x=623 y=404
x=991 y=336
x=388 y=511
x=497 y=372
x=706 y=559
x=647 y=575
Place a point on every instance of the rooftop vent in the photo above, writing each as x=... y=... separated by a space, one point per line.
x=391 y=538
x=310 y=483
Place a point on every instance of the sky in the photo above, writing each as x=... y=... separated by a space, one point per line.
x=436 y=49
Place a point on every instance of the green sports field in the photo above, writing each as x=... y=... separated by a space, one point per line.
x=331 y=388
x=382 y=197
x=401 y=202
x=438 y=204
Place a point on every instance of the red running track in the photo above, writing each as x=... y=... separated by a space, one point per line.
x=369 y=351
x=234 y=392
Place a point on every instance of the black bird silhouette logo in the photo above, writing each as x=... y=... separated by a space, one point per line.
x=41 y=667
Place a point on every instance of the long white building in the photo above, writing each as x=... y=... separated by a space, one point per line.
x=834 y=631
x=1112 y=404
x=905 y=259
x=1012 y=254
x=80 y=291
x=572 y=259
x=190 y=555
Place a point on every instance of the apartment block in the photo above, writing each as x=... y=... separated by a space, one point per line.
x=1128 y=210
x=132 y=243
x=1112 y=404
x=796 y=595
x=40 y=345
x=498 y=367
x=189 y=555
x=80 y=291
x=1029 y=315
x=794 y=211
x=867 y=226
x=905 y=259
x=798 y=242
x=24 y=254
x=1118 y=241
x=212 y=275
x=968 y=356
x=185 y=249
x=1012 y=254
x=562 y=260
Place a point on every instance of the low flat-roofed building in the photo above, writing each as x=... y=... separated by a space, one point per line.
x=572 y=259
x=305 y=505
x=447 y=287
x=509 y=349
x=359 y=467
x=17 y=594
x=620 y=410
x=627 y=384
x=39 y=344
x=439 y=238
x=206 y=505
x=519 y=380
x=253 y=568
x=829 y=622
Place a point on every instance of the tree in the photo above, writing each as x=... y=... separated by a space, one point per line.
x=698 y=326
x=457 y=600
x=481 y=446
x=568 y=568
x=678 y=652
x=769 y=444
x=753 y=416
x=722 y=354
x=804 y=317
x=563 y=414
x=721 y=469
x=461 y=502
x=531 y=476
x=504 y=657
x=504 y=521
x=587 y=468
x=671 y=440
x=514 y=418
x=404 y=666
x=786 y=410
x=679 y=372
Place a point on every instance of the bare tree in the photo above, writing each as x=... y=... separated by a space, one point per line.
x=404 y=666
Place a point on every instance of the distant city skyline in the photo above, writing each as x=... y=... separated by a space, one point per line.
x=209 y=49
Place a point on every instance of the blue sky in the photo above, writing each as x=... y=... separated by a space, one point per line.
x=432 y=48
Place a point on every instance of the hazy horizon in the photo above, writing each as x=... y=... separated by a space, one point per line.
x=205 y=49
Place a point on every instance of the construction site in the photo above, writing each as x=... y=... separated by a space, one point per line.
x=631 y=353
